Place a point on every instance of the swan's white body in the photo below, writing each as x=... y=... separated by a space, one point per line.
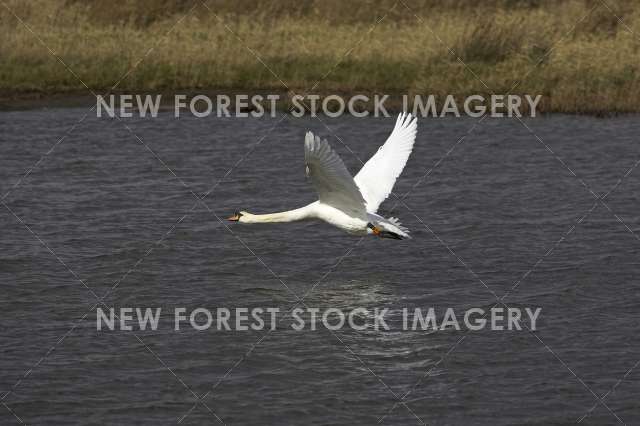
x=346 y=202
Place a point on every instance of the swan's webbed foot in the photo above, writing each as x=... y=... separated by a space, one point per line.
x=388 y=234
x=383 y=234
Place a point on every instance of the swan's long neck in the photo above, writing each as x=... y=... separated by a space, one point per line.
x=302 y=213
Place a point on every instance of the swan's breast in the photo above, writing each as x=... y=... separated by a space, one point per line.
x=342 y=220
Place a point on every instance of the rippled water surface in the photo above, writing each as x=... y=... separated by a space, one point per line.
x=110 y=208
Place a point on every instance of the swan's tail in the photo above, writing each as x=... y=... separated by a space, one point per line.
x=393 y=226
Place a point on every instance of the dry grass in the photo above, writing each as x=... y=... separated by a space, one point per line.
x=437 y=47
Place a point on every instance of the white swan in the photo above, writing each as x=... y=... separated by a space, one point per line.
x=346 y=202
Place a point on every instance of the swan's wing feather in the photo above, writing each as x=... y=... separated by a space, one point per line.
x=330 y=178
x=379 y=174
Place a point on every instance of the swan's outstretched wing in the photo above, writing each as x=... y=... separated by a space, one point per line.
x=379 y=174
x=330 y=177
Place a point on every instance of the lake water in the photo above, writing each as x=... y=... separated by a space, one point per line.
x=506 y=207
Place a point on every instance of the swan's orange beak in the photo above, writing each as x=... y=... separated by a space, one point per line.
x=234 y=218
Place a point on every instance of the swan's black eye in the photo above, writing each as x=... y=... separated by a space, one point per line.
x=238 y=214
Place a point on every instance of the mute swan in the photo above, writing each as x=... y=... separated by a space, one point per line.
x=346 y=202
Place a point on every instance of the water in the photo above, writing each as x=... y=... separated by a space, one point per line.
x=501 y=200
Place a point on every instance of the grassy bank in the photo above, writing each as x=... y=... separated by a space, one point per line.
x=593 y=65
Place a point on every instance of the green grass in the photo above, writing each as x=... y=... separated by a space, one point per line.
x=577 y=54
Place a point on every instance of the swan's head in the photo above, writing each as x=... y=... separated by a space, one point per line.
x=239 y=216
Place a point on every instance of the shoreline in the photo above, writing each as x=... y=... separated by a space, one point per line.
x=585 y=68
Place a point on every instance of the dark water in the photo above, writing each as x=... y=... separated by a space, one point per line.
x=101 y=209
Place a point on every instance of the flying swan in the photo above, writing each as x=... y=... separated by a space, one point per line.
x=346 y=202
